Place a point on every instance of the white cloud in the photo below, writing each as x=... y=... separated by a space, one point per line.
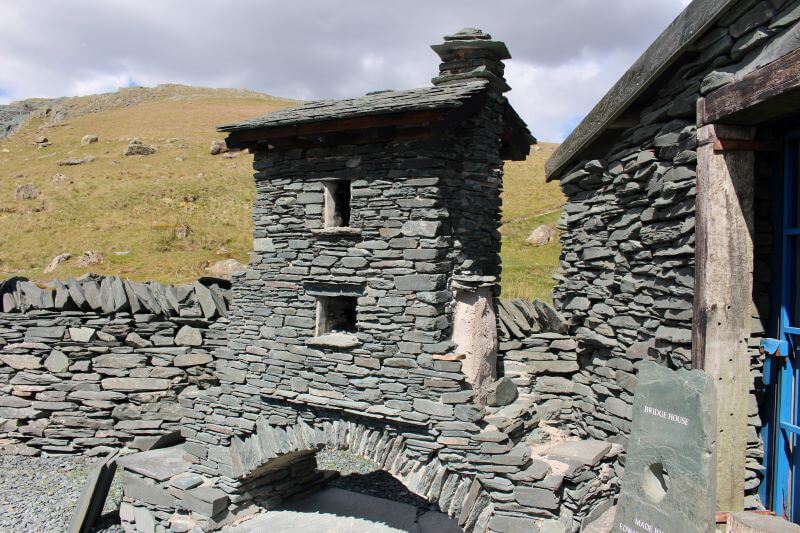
x=566 y=53
x=554 y=98
x=101 y=83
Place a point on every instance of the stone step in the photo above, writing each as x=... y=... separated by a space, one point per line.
x=158 y=465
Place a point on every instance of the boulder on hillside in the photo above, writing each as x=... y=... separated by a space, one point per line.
x=88 y=139
x=29 y=191
x=89 y=258
x=541 y=236
x=218 y=147
x=42 y=141
x=136 y=147
x=61 y=179
x=223 y=269
x=75 y=161
x=182 y=231
x=57 y=260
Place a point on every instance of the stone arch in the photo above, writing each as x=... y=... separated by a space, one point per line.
x=282 y=458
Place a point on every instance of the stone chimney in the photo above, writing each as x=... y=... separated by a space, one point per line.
x=470 y=53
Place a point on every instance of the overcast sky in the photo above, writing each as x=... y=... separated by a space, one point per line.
x=566 y=53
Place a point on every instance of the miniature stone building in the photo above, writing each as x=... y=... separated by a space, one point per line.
x=367 y=321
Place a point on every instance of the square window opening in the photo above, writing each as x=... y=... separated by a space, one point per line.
x=337 y=204
x=336 y=314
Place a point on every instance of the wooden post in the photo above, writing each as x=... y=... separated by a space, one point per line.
x=723 y=296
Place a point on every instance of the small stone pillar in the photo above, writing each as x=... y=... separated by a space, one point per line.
x=475 y=332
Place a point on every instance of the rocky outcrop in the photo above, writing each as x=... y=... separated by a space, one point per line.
x=15 y=114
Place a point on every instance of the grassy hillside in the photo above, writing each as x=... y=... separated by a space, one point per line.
x=528 y=202
x=127 y=208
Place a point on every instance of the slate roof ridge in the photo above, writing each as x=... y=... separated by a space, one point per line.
x=451 y=95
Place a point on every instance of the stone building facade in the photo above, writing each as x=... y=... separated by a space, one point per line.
x=627 y=279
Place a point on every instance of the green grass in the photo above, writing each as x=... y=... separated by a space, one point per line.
x=127 y=207
x=528 y=202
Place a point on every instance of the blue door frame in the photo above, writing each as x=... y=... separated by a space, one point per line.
x=780 y=489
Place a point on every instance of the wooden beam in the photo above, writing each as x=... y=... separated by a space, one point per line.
x=241 y=139
x=777 y=80
x=723 y=296
x=745 y=145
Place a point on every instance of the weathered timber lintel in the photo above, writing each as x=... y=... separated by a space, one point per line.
x=740 y=145
x=744 y=145
x=708 y=136
x=759 y=96
x=241 y=139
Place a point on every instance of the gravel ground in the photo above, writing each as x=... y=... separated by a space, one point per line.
x=364 y=476
x=38 y=494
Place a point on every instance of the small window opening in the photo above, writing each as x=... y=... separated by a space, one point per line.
x=337 y=204
x=336 y=314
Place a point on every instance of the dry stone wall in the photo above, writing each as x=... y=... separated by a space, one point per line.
x=627 y=265
x=100 y=362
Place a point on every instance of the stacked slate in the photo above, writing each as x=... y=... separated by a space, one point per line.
x=539 y=356
x=207 y=298
x=517 y=319
x=95 y=363
x=627 y=265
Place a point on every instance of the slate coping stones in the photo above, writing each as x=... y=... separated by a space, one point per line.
x=669 y=482
x=585 y=452
x=159 y=464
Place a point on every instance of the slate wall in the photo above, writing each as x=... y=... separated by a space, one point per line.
x=96 y=363
x=627 y=264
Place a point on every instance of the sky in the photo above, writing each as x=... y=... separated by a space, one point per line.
x=566 y=53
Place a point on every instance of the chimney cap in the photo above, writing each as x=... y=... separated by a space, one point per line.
x=470 y=38
x=468 y=34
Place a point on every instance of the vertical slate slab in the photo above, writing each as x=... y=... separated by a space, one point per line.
x=94 y=495
x=669 y=481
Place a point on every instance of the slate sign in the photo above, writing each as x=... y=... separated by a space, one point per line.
x=669 y=480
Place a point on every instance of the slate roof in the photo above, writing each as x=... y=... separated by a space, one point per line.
x=449 y=96
x=666 y=50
